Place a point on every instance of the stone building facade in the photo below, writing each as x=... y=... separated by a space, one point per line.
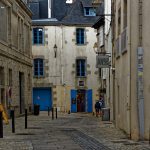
x=68 y=77
x=15 y=56
x=131 y=61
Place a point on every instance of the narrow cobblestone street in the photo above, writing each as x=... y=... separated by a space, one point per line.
x=68 y=132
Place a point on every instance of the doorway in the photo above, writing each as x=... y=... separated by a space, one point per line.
x=81 y=100
x=21 y=92
x=42 y=97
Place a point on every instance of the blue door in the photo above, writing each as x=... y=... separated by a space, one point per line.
x=73 y=101
x=42 y=97
x=89 y=101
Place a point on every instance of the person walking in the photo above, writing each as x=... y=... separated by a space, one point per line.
x=97 y=108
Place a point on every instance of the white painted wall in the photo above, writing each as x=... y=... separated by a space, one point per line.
x=62 y=68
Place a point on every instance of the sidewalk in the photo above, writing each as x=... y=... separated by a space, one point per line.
x=68 y=132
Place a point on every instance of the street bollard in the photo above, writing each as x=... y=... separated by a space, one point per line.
x=48 y=111
x=1 y=125
x=52 y=113
x=56 y=112
x=149 y=135
x=26 y=117
x=13 y=121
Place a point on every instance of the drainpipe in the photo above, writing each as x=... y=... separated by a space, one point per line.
x=140 y=84
x=113 y=61
x=130 y=68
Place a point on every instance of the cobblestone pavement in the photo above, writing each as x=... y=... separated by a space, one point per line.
x=68 y=132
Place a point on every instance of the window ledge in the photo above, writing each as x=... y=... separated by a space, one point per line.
x=39 y=77
x=81 y=76
x=38 y=44
x=81 y=44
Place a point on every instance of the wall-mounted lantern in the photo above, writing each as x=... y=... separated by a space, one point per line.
x=55 y=50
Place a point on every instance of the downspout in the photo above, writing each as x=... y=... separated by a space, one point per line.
x=129 y=69
x=61 y=60
x=113 y=61
x=140 y=84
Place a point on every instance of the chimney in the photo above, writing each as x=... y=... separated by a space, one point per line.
x=96 y=3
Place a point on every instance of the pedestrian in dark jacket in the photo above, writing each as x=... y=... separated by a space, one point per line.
x=97 y=108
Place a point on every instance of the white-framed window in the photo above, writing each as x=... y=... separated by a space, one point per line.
x=80 y=67
x=38 y=36
x=38 y=67
x=80 y=36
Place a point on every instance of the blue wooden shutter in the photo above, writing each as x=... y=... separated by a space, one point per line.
x=89 y=101
x=73 y=101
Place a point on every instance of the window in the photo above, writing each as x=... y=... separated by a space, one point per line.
x=38 y=67
x=125 y=13
x=2 y=76
x=80 y=68
x=119 y=21
x=80 y=36
x=3 y=22
x=10 y=77
x=88 y=11
x=38 y=36
x=29 y=82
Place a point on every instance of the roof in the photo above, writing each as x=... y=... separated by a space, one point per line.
x=86 y=3
x=100 y=22
x=39 y=8
x=59 y=9
x=46 y=22
x=100 y=10
x=66 y=14
x=75 y=15
x=100 y=13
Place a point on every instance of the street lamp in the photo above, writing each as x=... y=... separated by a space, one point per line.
x=55 y=50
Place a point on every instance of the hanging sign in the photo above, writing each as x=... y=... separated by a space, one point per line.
x=102 y=61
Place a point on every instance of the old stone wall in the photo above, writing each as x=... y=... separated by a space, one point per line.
x=15 y=56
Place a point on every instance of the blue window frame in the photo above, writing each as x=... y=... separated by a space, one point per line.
x=80 y=68
x=88 y=11
x=38 y=36
x=38 y=67
x=80 y=36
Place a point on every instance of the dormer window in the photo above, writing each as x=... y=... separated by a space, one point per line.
x=89 y=11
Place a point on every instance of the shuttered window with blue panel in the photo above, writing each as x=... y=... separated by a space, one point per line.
x=80 y=36
x=38 y=67
x=38 y=36
x=80 y=68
